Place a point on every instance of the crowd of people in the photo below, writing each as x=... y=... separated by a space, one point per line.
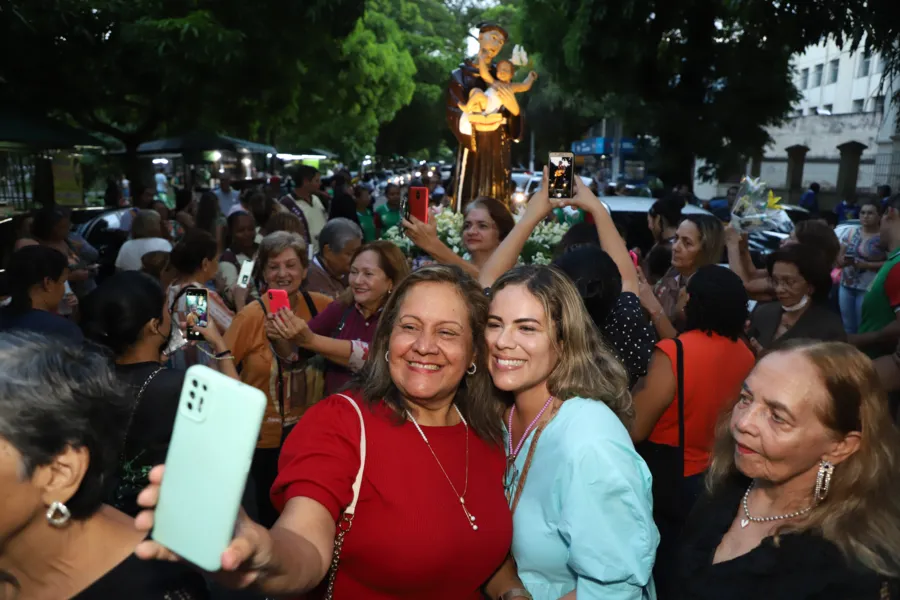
x=611 y=426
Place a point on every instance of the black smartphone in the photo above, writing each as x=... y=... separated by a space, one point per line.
x=196 y=312
x=561 y=175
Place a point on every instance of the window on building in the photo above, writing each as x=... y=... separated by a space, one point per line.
x=804 y=79
x=878 y=104
x=833 y=70
x=798 y=113
x=880 y=67
x=858 y=105
x=813 y=110
x=865 y=64
x=828 y=109
x=817 y=75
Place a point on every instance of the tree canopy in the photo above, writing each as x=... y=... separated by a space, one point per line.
x=705 y=77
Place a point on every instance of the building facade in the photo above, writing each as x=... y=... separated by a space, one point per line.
x=842 y=133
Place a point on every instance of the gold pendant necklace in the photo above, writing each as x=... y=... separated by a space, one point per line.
x=470 y=518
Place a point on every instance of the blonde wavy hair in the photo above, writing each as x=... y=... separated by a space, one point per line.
x=861 y=514
x=586 y=367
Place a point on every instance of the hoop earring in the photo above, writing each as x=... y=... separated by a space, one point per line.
x=823 y=480
x=472 y=370
x=387 y=356
x=58 y=514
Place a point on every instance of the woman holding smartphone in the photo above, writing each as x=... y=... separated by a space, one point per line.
x=431 y=521
x=270 y=361
x=127 y=316
x=487 y=223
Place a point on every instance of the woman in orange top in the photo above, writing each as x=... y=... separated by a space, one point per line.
x=715 y=363
x=271 y=363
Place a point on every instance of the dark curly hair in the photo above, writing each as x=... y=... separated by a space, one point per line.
x=812 y=264
x=188 y=254
x=717 y=304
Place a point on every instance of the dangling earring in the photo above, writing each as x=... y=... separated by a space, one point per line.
x=387 y=356
x=823 y=480
x=472 y=370
x=58 y=514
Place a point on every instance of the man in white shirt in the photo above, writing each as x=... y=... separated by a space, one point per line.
x=146 y=231
x=227 y=195
x=162 y=183
x=304 y=203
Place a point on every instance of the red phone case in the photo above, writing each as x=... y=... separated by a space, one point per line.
x=278 y=299
x=418 y=203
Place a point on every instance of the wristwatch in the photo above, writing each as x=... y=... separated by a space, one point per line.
x=516 y=594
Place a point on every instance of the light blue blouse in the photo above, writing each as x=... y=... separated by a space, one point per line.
x=585 y=517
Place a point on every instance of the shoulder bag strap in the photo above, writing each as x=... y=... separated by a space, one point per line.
x=137 y=402
x=313 y=311
x=343 y=321
x=346 y=520
x=679 y=368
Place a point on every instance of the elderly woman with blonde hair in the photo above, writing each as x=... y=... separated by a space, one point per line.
x=804 y=499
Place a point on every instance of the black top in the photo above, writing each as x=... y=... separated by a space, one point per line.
x=818 y=322
x=147 y=440
x=629 y=333
x=41 y=321
x=803 y=566
x=137 y=579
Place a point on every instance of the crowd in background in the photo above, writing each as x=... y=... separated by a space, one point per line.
x=620 y=424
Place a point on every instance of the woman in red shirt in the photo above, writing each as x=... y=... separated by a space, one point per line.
x=715 y=363
x=432 y=519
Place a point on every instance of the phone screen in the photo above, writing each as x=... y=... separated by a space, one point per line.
x=245 y=274
x=196 y=313
x=562 y=171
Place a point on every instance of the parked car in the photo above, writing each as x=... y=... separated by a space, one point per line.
x=103 y=233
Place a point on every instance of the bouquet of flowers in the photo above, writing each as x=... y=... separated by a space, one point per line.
x=757 y=208
x=542 y=242
x=538 y=249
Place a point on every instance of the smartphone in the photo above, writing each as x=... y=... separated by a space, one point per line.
x=196 y=313
x=278 y=299
x=245 y=274
x=215 y=433
x=417 y=204
x=561 y=175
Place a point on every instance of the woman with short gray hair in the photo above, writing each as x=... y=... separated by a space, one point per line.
x=328 y=270
x=270 y=362
x=62 y=420
x=146 y=236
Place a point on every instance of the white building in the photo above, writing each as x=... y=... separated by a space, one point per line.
x=843 y=132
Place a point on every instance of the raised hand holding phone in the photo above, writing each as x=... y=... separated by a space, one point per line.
x=198 y=504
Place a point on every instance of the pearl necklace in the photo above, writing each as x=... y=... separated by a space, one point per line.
x=748 y=519
x=470 y=518
x=511 y=475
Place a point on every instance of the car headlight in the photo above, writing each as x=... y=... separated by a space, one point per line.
x=518 y=197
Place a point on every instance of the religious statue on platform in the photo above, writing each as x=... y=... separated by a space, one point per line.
x=484 y=115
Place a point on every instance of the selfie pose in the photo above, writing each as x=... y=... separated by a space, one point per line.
x=580 y=494
x=415 y=447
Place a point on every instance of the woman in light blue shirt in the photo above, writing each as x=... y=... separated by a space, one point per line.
x=580 y=494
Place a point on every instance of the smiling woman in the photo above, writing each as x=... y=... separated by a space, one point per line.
x=579 y=492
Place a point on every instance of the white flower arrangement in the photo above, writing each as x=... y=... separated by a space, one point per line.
x=538 y=250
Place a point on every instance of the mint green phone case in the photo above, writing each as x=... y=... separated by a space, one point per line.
x=209 y=457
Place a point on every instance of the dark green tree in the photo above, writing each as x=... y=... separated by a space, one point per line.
x=136 y=69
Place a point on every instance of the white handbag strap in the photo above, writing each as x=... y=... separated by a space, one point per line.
x=362 y=455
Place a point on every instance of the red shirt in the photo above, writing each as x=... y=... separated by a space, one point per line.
x=410 y=537
x=714 y=369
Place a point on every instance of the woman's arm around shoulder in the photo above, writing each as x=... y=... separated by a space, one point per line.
x=607 y=517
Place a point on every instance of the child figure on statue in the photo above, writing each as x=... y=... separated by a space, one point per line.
x=487 y=103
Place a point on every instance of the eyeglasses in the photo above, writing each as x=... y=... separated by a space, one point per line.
x=787 y=282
